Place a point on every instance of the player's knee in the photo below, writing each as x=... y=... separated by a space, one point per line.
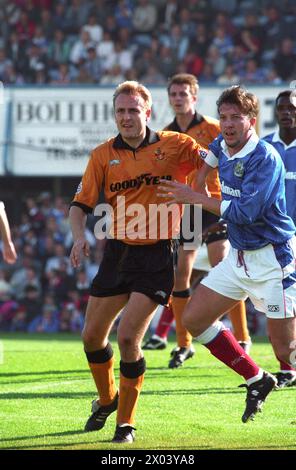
x=125 y=342
x=89 y=337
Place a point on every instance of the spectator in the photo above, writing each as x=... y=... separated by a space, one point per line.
x=144 y=17
x=222 y=41
x=93 y=65
x=59 y=17
x=200 y=41
x=285 y=60
x=79 y=49
x=76 y=16
x=5 y=63
x=153 y=76
x=273 y=31
x=177 y=41
x=58 y=260
x=47 y=322
x=253 y=73
x=166 y=61
x=63 y=75
x=25 y=29
x=19 y=320
x=229 y=77
x=187 y=25
x=31 y=302
x=105 y=48
x=123 y=14
x=193 y=63
x=59 y=49
x=114 y=76
x=94 y=29
x=216 y=60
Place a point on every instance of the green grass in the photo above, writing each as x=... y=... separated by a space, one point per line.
x=46 y=390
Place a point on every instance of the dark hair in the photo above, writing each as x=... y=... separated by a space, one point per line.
x=281 y=94
x=247 y=102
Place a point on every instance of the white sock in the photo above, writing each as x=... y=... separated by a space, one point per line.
x=255 y=378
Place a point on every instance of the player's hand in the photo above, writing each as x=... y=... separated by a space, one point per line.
x=176 y=192
x=9 y=253
x=80 y=248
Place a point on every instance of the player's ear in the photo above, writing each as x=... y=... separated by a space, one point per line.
x=148 y=114
x=253 y=121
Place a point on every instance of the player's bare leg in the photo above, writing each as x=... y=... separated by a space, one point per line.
x=201 y=318
x=100 y=315
x=180 y=298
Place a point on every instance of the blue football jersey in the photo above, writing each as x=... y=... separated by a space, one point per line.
x=288 y=155
x=253 y=193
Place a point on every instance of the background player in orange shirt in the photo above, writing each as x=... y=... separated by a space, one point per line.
x=182 y=92
x=136 y=273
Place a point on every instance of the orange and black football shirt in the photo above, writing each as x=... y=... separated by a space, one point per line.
x=130 y=178
x=204 y=130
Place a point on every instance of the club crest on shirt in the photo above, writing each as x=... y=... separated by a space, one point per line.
x=114 y=162
x=203 y=154
x=159 y=155
x=238 y=169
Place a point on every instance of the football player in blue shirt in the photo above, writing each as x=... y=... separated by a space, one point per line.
x=261 y=260
x=284 y=141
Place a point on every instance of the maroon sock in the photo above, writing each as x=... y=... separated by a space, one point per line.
x=226 y=348
x=165 y=322
x=285 y=366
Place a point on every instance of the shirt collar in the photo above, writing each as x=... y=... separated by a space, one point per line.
x=150 y=138
x=247 y=148
x=197 y=119
x=276 y=138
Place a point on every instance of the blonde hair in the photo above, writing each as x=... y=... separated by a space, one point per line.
x=131 y=87
x=184 y=79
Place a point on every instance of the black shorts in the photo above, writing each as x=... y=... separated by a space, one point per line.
x=208 y=219
x=136 y=268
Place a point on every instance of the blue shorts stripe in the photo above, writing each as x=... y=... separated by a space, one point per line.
x=284 y=253
x=289 y=280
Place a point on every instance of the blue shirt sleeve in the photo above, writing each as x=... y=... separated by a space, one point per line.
x=261 y=184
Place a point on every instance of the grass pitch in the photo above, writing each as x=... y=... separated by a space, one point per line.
x=46 y=391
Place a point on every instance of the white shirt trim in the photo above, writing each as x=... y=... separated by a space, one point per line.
x=223 y=206
x=276 y=138
x=211 y=160
x=247 y=148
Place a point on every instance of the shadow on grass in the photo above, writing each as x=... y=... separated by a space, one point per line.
x=77 y=395
x=41 y=436
x=40 y=336
x=45 y=372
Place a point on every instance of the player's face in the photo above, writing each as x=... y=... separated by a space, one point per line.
x=236 y=127
x=181 y=99
x=286 y=113
x=131 y=117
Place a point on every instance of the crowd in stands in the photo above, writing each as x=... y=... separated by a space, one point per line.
x=41 y=292
x=107 y=41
